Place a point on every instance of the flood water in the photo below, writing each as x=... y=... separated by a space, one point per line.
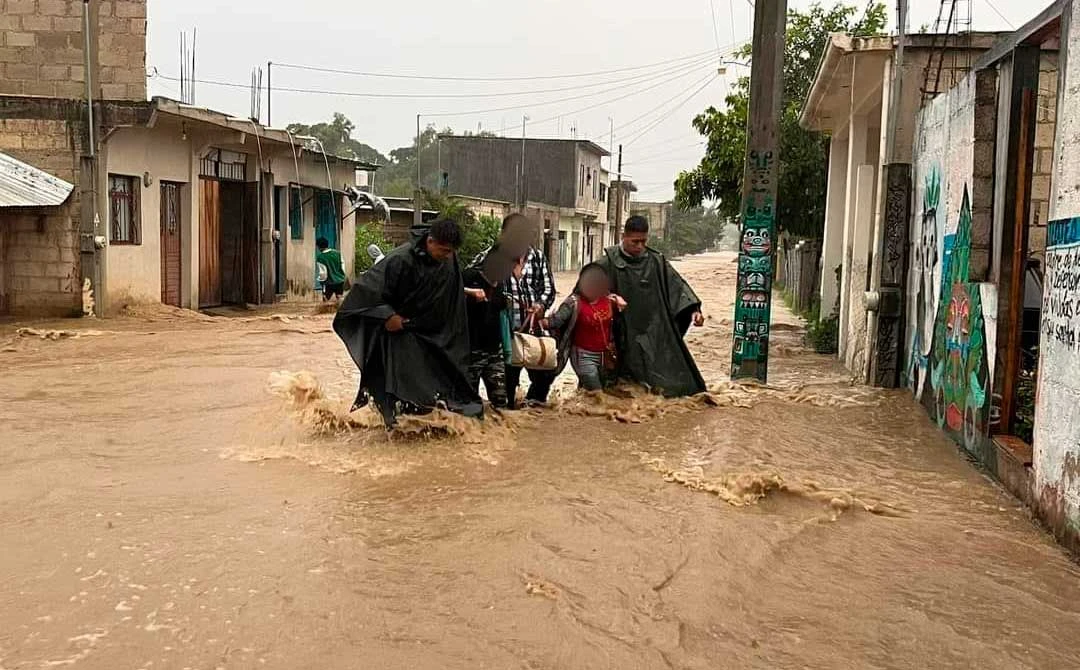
x=163 y=506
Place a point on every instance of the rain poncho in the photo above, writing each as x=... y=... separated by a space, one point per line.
x=426 y=364
x=649 y=333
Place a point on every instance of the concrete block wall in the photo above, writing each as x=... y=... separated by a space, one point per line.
x=42 y=48
x=39 y=262
x=952 y=311
x=1056 y=460
x=1042 y=176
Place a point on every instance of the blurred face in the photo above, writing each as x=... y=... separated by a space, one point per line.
x=440 y=251
x=594 y=285
x=634 y=243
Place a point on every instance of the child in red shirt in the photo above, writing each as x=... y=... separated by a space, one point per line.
x=584 y=324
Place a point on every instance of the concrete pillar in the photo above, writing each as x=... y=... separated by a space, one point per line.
x=862 y=232
x=832 y=251
x=857 y=132
x=877 y=239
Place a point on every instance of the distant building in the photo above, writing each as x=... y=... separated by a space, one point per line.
x=618 y=190
x=485 y=206
x=560 y=187
x=658 y=214
x=401 y=219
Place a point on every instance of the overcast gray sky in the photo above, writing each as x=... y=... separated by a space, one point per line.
x=487 y=38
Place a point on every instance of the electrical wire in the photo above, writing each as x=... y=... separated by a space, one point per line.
x=501 y=94
x=674 y=109
x=998 y=12
x=661 y=105
x=715 y=28
x=576 y=111
x=315 y=68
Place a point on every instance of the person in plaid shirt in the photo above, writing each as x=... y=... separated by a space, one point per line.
x=531 y=293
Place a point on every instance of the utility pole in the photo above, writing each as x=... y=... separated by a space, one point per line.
x=269 y=64
x=521 y=192
x=418 y=207
x=753 y=298
x=619 y=198
x=611 y=142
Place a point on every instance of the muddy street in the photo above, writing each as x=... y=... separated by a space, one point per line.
x=173 y=494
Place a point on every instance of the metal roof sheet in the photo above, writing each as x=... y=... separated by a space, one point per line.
x=23 y=185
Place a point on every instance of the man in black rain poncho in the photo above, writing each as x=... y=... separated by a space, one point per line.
x=660 y=308
x=404 y=324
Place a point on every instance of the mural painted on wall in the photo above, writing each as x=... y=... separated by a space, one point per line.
x=750 y=348
x=959 y=394
x=925 y=259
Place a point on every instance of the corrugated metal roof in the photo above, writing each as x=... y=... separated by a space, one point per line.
x=23 y=185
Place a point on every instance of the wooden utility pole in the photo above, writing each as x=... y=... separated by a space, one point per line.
x=418 y=193
x=619 y=196
x=753 y=299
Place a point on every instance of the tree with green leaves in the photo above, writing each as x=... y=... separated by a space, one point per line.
x=336 y=138
x=803 y=154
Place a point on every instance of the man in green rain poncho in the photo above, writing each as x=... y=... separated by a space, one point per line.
x=661 y=306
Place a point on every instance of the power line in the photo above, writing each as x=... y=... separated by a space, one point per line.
x=662 y=104
x=998 y=12
x=576 y=111
x=315 y=68
x=666 y=155
x=670 y=112
x=417 y=96
x=715 y=29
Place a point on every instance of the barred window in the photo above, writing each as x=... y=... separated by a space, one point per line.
x=124 y=223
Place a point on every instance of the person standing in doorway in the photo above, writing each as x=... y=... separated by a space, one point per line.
x=334 y=284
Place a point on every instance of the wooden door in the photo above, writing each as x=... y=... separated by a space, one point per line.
x=170 y=244
x=210 y=244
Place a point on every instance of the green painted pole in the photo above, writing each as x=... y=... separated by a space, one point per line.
x=757 y=242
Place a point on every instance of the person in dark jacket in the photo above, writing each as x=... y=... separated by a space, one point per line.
x=486 y=303
x=404 y=323
x=649 y=333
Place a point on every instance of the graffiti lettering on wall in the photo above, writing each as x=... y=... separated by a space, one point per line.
x=958 y=362
x=1061 y=319
x=750 y=349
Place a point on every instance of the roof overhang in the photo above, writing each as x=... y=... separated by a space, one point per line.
x=1035 y=32
x=278 y=136
x=23 y=185
x=850 y=68
x=852 y=71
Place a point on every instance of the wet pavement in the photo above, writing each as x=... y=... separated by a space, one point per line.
x=160 y=507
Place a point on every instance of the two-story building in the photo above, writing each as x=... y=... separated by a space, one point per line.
x=559 y=183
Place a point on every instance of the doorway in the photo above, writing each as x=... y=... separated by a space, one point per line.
x=279 y=241
x=228 y=243
x=326 y=226
x=171 y=246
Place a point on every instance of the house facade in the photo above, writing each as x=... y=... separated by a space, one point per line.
x=171 y=203
x=851 y=101
x=963 y=224
x=559 y=187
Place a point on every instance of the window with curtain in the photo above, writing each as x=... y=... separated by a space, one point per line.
x=296 y=213
x=124 y=222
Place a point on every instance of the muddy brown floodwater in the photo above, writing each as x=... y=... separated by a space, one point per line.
x=162 y=506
